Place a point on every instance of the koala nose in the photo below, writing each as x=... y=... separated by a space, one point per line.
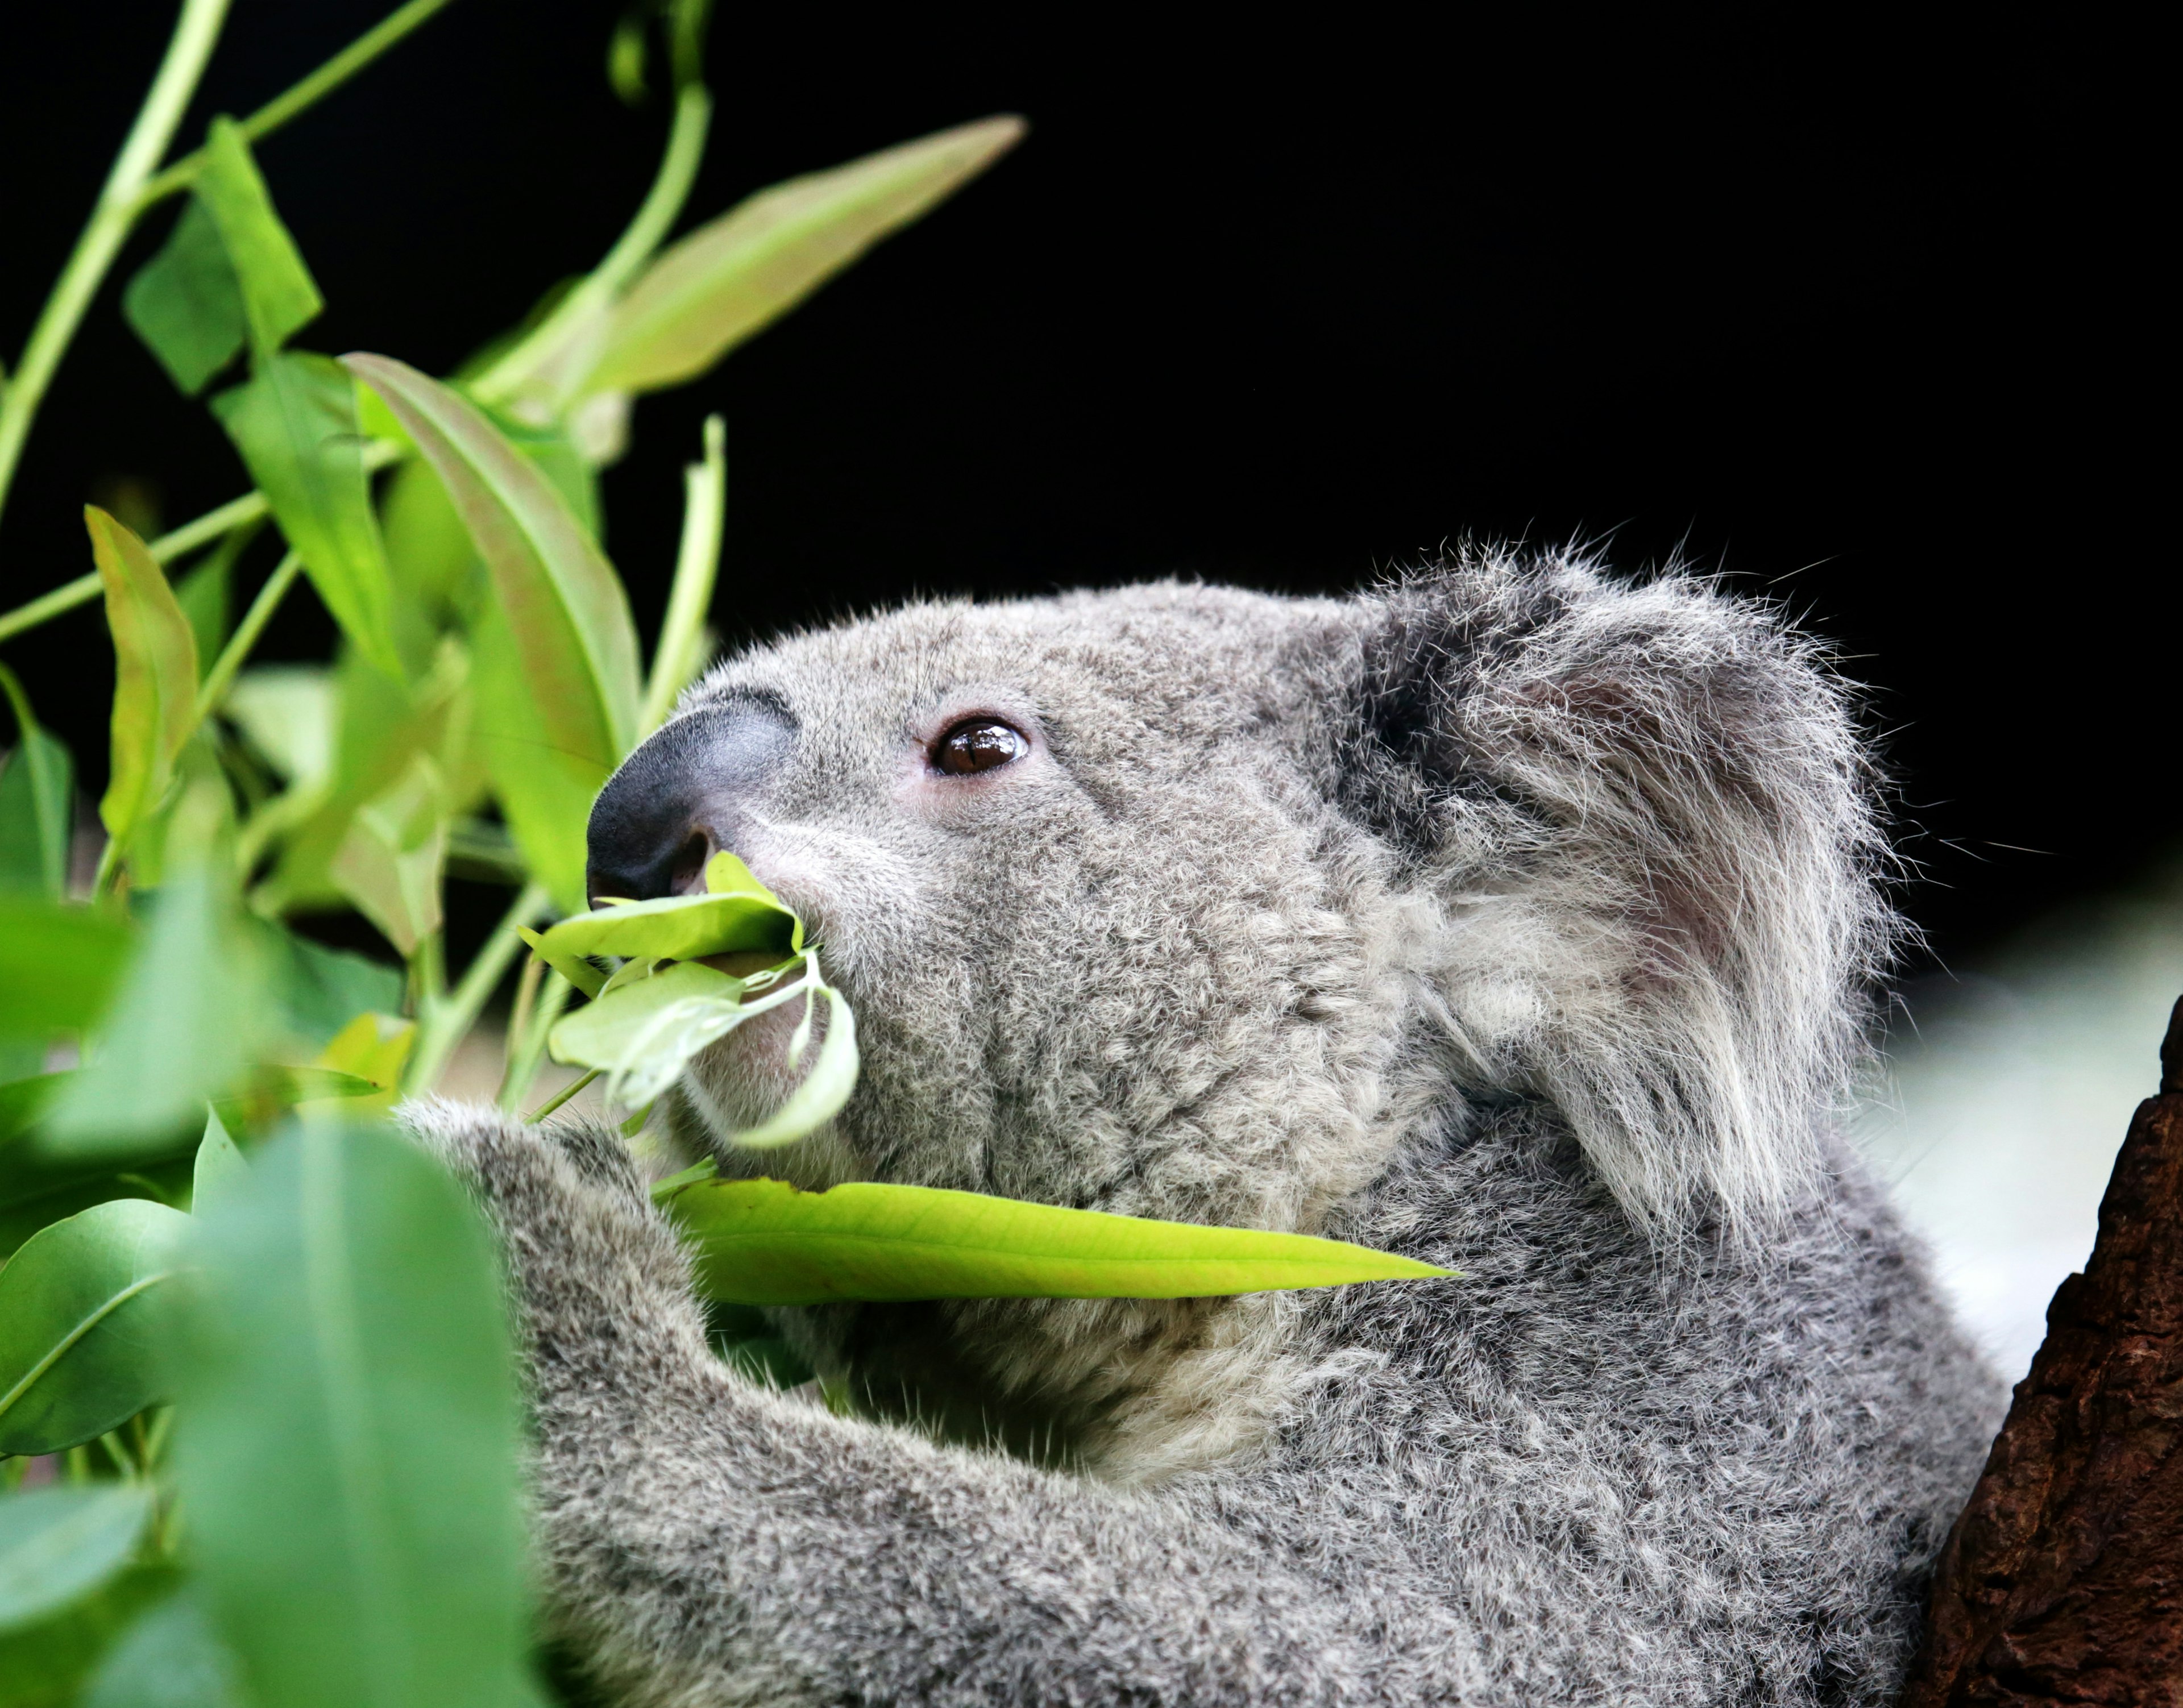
x=683 y=796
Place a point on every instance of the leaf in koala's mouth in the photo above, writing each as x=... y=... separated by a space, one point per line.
x=763 y=1242
x=698 y=968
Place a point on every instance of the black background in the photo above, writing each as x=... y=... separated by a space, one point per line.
x=1855 y=313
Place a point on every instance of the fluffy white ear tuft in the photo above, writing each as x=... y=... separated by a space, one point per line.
x=1648 y=815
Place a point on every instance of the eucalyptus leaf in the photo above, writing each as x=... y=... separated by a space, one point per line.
x=186 y=302
x=207 y=596
x=728 y=280
x=279 y=295
x=171 y=1658
x=288 y=713
x=644 y=1032
x=219 y=1169
x=821 y=1094
x=295 y=422
x=181 y=1028
x=271 y=1092
x=58 y=965
x=681 y=928
x=574 y=969
x=57 y=1544
x=390 y=863
x=84 y=1322
x=346 y=1447
x=47 y=1664
x=763 y=1242
x=557 y=672
x=155 y=672
x=37 y=801
x=315 y=991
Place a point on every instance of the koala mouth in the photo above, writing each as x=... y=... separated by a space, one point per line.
x=744 y=962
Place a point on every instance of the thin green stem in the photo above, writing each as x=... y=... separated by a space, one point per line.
x=696 y=567
x=443 y=1019
x=566 y=1092
x=292 y=100
x=531 y=1047
x=214 y=686
x=663 y=205
x=237 y=513
x=191 y=45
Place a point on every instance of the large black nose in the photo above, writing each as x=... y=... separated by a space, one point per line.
x=683 y=796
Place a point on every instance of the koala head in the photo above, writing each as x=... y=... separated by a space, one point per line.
x=1185 y=901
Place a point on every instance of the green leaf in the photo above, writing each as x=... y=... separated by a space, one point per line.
x=316 y=990
x=574 y=969
x=727 y=279
x=219 y=1171
x=155 y=674
x=279 y=294
x=57 y=1544
x=180 y=1030
x=825 y=1088
x=295 y=422
x=186 y=302
x=346 y=1447
x=45 y=1665
x=58 y=966
x=643 y=1033
x=288 y=712
x=38 y=799
x=171 y=1658
x=207 y=596
x=390 y=863
x=681 y=928
x=556 y=666
x=84 y=1320
x=762 y=1242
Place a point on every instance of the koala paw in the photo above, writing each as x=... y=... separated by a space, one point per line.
x=592 y=1263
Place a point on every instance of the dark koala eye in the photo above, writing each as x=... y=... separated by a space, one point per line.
x=979 y=744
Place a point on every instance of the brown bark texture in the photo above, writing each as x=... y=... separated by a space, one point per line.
x=2063 y=1580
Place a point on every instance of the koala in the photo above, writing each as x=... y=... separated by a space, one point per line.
x=1507 y=916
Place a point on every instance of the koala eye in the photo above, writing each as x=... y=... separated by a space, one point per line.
x=978 y=744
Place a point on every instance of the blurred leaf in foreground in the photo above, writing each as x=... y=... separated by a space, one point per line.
x=58 y=966
x=171 y=1658
x=180 y=1031
x=729 y=278
x=85 y=1318
x=58 y=1543
x=762 y=1242
x=155 y=674
x=557 y=672
x=345 y=1446
x=45 y=1664
x=390 y=863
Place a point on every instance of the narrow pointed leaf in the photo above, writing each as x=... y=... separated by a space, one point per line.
x=727 y=279
x=37 y=801
x=219 y=1169
x=186 y=302
x=155 y=672
x=557 y=667
x=57 y=1544
x=295 y=422
x=180 y=1032
x=347 y=1443
x=84 y=1320
x=679 y=928
x=762 y=1242
x=643 y=1033
x=390 y=863
x=574 y=969
x=821 y=1094
x=279 y=294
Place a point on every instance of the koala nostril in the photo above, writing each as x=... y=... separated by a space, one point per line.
x=689 y=873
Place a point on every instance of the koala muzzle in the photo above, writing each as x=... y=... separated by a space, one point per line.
x=685 y=794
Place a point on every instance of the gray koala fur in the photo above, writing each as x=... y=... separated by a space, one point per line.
x=1508 y=917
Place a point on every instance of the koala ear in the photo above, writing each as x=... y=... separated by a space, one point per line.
x=1647 y=821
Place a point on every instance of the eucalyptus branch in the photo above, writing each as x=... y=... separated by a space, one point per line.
x=215 y=685
x=566 y=1092
x=294 y=99
x=237 y=513
x=195 y=32
x=663 y=205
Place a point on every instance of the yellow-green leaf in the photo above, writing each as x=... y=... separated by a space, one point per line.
x=389 y=864
x=680 y=927
x=763 y=1242
x=155 y=672
x=727 y=279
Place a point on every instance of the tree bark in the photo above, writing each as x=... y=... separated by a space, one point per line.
x=2063 y=1580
